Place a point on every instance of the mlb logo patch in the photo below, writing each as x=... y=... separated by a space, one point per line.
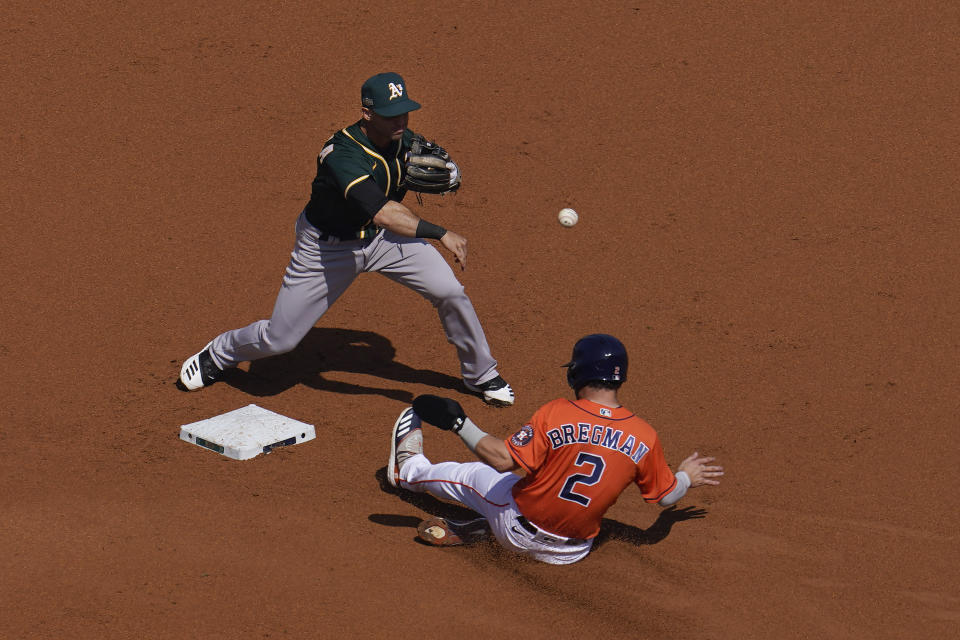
x=606 y=413
x=523 y=437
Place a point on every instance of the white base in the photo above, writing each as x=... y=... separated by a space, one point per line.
x=245 y=433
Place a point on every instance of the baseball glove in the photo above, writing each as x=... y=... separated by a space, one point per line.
x=429 y=168
x=442 y=413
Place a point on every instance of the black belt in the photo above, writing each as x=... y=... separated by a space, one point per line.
x=534 y=529
x=363 y=234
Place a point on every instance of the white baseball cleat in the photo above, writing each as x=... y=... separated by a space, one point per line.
x=407 y=441
x=495 y=392
x=199 y=371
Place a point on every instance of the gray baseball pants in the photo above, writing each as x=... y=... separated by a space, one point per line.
x=321 y=270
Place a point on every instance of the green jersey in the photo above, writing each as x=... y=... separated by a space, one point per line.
x=354 y=180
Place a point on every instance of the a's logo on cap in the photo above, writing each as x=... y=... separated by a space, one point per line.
x=396 y=90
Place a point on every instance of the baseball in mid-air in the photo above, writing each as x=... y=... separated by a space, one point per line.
x=567 y=217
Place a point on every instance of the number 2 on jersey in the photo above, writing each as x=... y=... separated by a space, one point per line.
x=568 y=493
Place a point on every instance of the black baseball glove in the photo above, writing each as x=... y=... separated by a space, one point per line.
x=442 y=413
x=429 y=168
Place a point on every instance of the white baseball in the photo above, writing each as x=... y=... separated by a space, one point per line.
x=567 y=217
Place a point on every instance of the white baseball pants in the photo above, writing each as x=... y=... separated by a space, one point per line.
x=482 y=488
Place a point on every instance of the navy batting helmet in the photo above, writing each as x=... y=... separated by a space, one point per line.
x=597 y=357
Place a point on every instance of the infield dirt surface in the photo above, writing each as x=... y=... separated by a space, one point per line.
x=768 y=198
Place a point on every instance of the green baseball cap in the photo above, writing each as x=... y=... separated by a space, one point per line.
x=386 y=94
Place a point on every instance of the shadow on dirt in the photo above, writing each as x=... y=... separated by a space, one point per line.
x=331 y=349
x=612 y=530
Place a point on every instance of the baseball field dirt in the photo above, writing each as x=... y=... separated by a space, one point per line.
x=767 y=198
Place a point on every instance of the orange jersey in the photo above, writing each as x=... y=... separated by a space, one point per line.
x=579 y=456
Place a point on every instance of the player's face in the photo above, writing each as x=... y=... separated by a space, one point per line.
x=382 y=130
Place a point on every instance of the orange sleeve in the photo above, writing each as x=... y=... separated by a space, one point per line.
x=654 y=477
x=529 y=446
